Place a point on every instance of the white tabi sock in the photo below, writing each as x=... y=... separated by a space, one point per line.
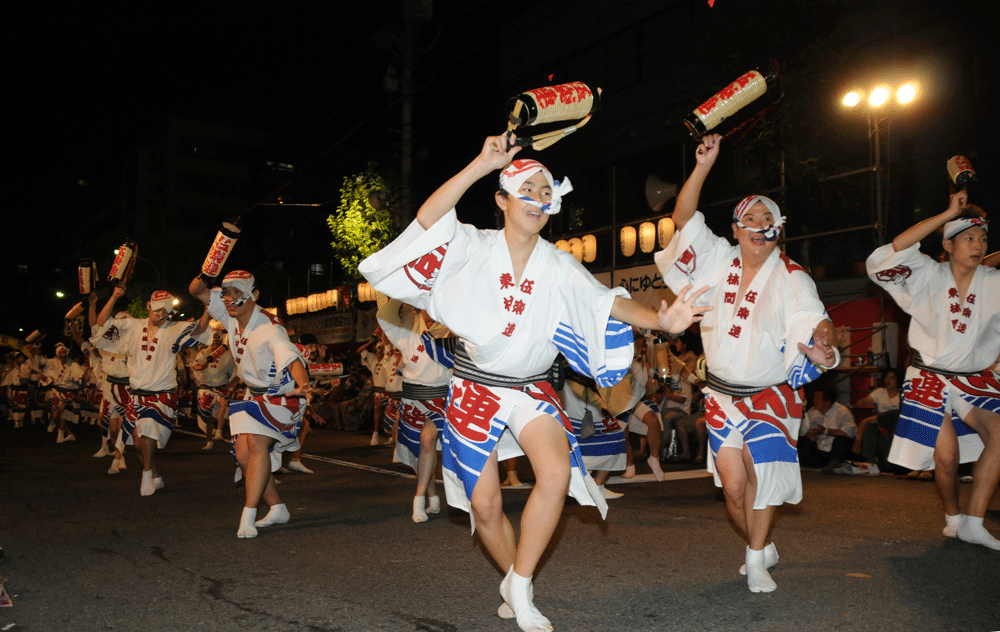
x=433 y=504
x=951 y=525
x=972 y=530
x=419 y=515
x=247 y=528
x=148 y=487
x=770 y=558
x=654 y=464
x=758 y=579
x=518 y=594
x=278 y=514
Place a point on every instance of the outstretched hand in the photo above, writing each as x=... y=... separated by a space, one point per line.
x=822 y=352
x=683 y=313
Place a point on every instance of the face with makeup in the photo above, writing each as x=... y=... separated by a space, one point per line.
x=524 y=216
x=754 y=244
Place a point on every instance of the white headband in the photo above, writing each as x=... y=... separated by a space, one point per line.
x=770 y=232
x=956 y=226
x=242 y=281
x=161 y=300
x=514 y=175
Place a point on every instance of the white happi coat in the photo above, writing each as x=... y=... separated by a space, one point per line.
x=753 y=344
x=417 y=368
x=952 y=333
x=417 y=365
x=464 y=278
x=476 y=298
x=262 y=353
x=151 y=362
x=757 y=347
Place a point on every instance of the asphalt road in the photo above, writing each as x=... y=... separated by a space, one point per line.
x=84 y=552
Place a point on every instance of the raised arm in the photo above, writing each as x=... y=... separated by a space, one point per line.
x=199 y=290
x=687 y=199
x=490 y=158
x=105 y=314
x=915 y=233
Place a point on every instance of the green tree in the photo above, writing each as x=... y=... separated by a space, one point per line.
x=360 y=229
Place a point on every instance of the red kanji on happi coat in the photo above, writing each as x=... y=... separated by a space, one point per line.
x=928 y=389
x=472 y=410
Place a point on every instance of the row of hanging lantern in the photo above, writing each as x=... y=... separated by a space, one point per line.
x=312 y=303
x=648 y=236
x=583 y=249
x=366 y=293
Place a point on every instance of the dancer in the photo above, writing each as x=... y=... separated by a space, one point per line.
x=215 y=374
x=424 y=394
x=151 y=345
x=762 y=342
x=115 y=388
x=66 y=377
x=516 y=302
x=265 y=423
x=951 y=398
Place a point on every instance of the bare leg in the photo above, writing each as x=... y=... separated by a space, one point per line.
x=253 y=455
x=732 y=472
x=545 y=444
x=426 y=487
x=946 y=467
x=758 y=520
x=986 y=474
x=654 y=436
x=427 y=461
x=494 y=529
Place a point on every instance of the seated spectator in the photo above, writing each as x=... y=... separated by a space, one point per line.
x=874 y=435
x=829 y=432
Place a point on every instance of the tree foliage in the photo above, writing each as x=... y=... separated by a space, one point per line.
x=359 y=229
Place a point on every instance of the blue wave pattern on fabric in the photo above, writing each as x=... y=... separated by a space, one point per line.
x=617 y=336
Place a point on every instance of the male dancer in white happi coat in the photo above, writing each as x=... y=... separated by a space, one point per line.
x=265 y=423
x=951 y=396
x=151 y=345
x=424 y=399
x=762 y=341
x=516 y=302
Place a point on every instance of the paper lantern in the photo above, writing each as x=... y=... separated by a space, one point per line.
x=290 y=306
x=589 y=248
x=665 y=231
x=647 y=236
x=563 y=245
x=576 y=248
x=628 y=241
